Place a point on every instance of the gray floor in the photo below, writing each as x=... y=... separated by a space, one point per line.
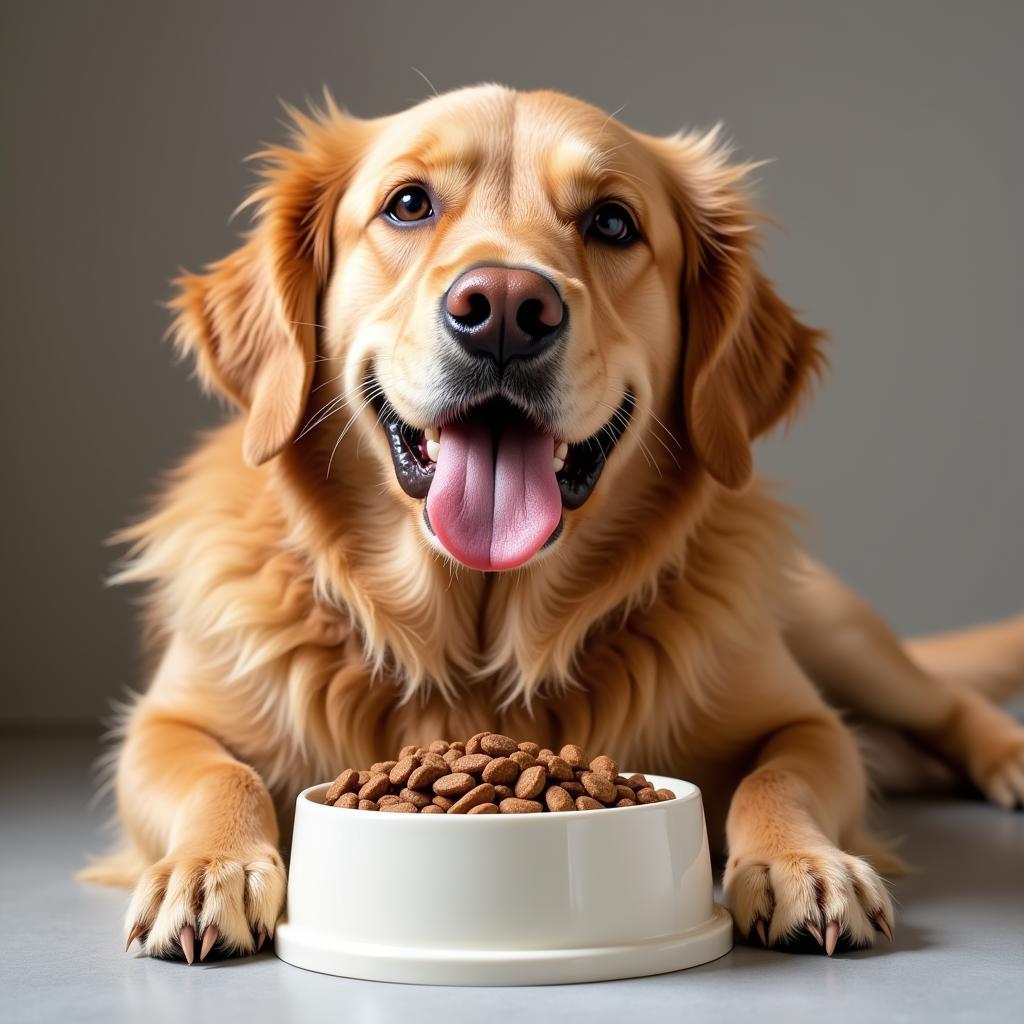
x=959 y=951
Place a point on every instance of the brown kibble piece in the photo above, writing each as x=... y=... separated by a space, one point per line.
x=414 y=796
x=388 y=798
x=399 y=807
x=407 y=751
x=483 y=809
x=454 y=785
x=438 y=746
x=482 y=794
x=573 y=754
x=425 y=776
x=436 y=760
x=382 y=767
x=638 y=782
x=473 y=743
x=376 y=786
x=500 y=771
x=364 y=778
x=573 y=788
x=502 y=792
x=367 y=805
x=497 y=745
x=558 y=800
x=451 y=756
x=522 y=760
x=545 y=755
x=346 y=782
x=472 y=763
x=588 y=803
x=515 y=806
x=530 y=748
x=349 y=800
x=431 y=809
x=625 y=802
x=442 y=802
x=599 y=786
x=531 y=782
x=559 y=768
x=647 y=796
x=604 y=765
x=399 y=775
x=624 y=793
x=458 y=745
x=665 y=794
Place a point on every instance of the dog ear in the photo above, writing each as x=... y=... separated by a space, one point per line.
x=747 y=360
x=249 y=321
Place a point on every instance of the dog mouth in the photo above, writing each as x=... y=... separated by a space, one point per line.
x=495 y=480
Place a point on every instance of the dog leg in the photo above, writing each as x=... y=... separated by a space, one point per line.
x=786 y=872
x=845 y=647
x=207 y=823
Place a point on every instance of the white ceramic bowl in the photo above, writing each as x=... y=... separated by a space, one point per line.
x=502 y=899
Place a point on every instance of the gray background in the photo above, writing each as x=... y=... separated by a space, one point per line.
x=895 y=130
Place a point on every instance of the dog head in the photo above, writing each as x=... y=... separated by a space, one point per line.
x=516 y=306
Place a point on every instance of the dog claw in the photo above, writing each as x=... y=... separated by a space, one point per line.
x=831 y=937
x=815 y=932
x=260 y=939
x=761 y=933
x=187 y=939
x=883 y=926
x=135 y=933
x=209 y=938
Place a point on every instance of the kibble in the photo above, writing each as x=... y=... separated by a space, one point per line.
x=491 y=773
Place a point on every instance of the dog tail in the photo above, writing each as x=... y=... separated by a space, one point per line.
x=988 y=658
x=121 y=867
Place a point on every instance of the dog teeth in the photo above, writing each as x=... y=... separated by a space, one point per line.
x=559 y=464
x=432 y=434
x=433 y=449
x=561 y=450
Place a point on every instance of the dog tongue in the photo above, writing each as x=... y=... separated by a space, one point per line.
x=494 y=504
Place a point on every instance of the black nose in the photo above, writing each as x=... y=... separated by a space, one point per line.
x=503 y=313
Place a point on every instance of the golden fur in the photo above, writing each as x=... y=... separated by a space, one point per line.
x=305 y=620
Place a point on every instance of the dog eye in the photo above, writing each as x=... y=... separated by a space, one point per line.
x=409 y=204
x=613 y=224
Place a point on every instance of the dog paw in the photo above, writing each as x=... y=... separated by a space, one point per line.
x=192 y=901
x=1002 y=780
x=824 y=893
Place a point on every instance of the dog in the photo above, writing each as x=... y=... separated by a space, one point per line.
x=498 y=362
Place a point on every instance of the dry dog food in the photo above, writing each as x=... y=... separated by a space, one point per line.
x=490 y=774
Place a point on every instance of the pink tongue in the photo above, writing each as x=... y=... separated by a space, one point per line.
x=494 y=511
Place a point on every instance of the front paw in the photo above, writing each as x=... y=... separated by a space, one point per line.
x=228 y=899
x=822 y=892
x=1001 y=778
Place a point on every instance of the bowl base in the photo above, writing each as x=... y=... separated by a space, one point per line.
x=416 y=966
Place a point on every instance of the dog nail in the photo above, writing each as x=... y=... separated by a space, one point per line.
x=209 y=938
x=260 y=939
x=831 y=937
x=187 y=939
x=815 y=932
x=135 y=933
x=883 y=926
x=761 y=933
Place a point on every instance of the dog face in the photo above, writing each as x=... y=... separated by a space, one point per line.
x=513 y=301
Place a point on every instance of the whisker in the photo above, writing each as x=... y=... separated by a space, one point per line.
x=337 y=403
x=341 y=436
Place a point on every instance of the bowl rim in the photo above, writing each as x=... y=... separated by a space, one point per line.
x=690 y=792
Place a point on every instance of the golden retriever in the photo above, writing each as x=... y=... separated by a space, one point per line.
x=499 y=362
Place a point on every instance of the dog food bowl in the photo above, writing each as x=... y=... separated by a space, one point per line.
x=502 y=899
